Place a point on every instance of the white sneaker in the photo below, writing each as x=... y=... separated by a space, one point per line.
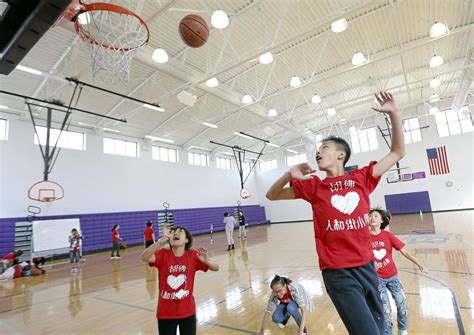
x=112 y=257
x=402 y=332
x=281 y=325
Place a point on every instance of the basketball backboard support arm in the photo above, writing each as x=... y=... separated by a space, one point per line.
x=81 y=83
x=239 y=155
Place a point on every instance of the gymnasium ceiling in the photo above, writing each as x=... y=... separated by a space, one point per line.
x=393 y=35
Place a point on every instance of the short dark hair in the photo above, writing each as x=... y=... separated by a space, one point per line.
x=189 y=236
x=115 y=226
x=341 y=144
x=279 y=280
x=226 y=214
x=149 y=223
x=385 y=215
x=18 y=252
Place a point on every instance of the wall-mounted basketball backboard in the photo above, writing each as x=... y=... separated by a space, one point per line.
x=22 y=24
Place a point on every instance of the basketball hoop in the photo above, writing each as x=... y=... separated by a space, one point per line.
x=114 y=35
x=46 y=191
x=244 y=193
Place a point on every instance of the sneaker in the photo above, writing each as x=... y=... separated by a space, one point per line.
x=118 y=257
x=281 y=325
x=112 y=257
x=402 y=332
x=73 y=270
x=233 y=247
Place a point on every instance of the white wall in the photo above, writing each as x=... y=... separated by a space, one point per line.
x=96 y=182
x=459 y=149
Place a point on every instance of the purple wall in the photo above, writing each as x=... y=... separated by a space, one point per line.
x=97 y=227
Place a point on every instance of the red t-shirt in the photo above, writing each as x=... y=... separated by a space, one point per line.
x=382 y=245
x=286 y=297
x=176 y=283
x=17 y=272
x=148 y=233
x=115 y=235
x=9 y=257
x=340 y=206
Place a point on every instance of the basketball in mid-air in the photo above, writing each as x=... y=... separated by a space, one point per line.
x=193 y=30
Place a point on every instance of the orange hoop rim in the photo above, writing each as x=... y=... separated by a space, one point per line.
x=100 y=6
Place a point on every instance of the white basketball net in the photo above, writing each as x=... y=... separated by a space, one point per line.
x=118 y=38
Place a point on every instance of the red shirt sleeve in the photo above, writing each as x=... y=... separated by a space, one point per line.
x=371 y=182
x=305 y=189
x=200 y=266
x=159 y=255
x=396 y=242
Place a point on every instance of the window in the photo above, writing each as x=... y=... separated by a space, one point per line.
x=412 y=130
x=119 y=147
x=452 y=123
x=197 y=159
x=164 y=154
x=296 y=159
x=224 y=163
x=268 y=165
x=68 y=139
x=3 y=129
x=364 y=140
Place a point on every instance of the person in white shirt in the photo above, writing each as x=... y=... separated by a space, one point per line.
x=229 y=222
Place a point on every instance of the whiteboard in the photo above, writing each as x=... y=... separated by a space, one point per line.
x=53 y=234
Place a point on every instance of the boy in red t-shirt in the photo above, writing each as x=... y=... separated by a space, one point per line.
x=382 y=243
x=340 y=204
x=149 y=234
x=176 y=269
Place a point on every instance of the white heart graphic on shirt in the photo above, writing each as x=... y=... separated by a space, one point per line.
x=379 y=254
x=175 y=282
x=345 y=204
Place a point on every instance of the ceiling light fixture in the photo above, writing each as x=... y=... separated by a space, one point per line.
x=316 y=99
x=29 y=70
x=435 y=82
x=219 y=19
x=339 y=26
x=266 y=58
x=434 y=97
x=292 y=151
x=243 y=135
x=438 y=29
x=295 y=81
x=211 y=125
x=331 y=111
x=358 y=59
x=156 y=108
x=247 y=99
x=154 y=138
x=160 y=56
x=436 y=61
x=213 y=82
x=272 y=112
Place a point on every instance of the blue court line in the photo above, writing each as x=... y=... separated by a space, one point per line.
x=454 y=301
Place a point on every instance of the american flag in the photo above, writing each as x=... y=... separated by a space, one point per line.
x=438 y=160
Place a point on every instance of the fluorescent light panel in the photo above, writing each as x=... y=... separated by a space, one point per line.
x=154 y=138
x=156 y=108
x=242 y=135
x=28 y=69
x=211 y=125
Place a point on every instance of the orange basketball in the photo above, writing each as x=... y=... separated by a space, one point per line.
x=193 y=30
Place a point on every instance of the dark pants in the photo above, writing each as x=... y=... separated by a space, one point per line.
x=355 y=294
x=187 y=326
x=148 y=243
x=116 y=248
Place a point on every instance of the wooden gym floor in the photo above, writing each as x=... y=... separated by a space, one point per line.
x=119 y=297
